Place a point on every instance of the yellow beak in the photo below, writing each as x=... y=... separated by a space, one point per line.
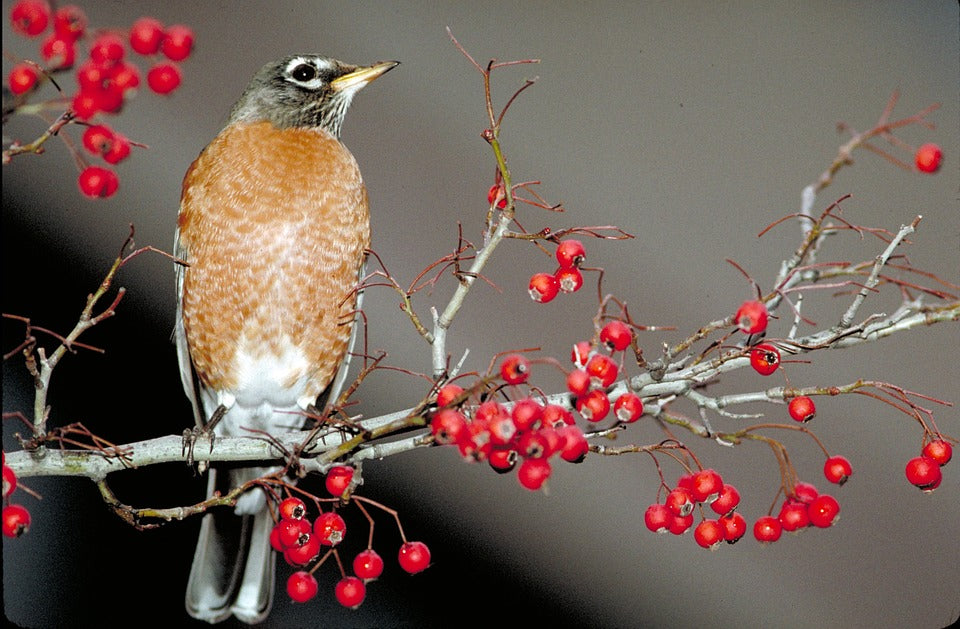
x=361 y=76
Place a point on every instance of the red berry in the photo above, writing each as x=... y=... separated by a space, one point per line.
x=16 y=520
x=503 y=461
x=9 y=481
x=593 y=405
x=119 y=150
x=502 y=430
x=515 y=369
x=708 y=534
x=680 y=524
x=570 y=253
x=305 y=550
x=726 y=501
x=414 y=557
x=177 y=42
x=575 y=446
x=290 y=532
x=292 y=508
x=616 y=335
x=58 y=51
x=338 y=479
x=70 y=21
x=497 y=194
x=802 y=409
x=764 y=358
x=107 y=49
x=602 y=370
x=805 y=492
x=447 y=425
x=578 y=382
x=96 y=182
x=734 y=527
x=938 y=450
x=448 y=393
x=527 y=414
x=837 y=469
x=767 y=529
x=163 y=78
x=368 y=564
x=533 y=473
x=580 y=353
x=628 y=408
x=98 y=139
x=928 y=158
x=658 y=518
x=301 y=586
x=556 y=415
x=146 y=35
x=330 y=528
x=751 y=317
x=30 y=17
x=706 y=485
x=680 y=501
x=350 y=592
x=23 y=77
x=924 y=472
x=124 y=77
x=823 y=510
x=543 y=287
x=794 y=516
x=570 y=280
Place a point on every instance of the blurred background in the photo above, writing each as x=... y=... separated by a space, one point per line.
x=691 y=125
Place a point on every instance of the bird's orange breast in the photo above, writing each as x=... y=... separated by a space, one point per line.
x=274 y=224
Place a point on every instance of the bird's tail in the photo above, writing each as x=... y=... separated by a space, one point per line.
x=233 y=565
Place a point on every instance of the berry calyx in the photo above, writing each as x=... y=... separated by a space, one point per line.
x=938 y=450
x=928 y=158
x=570 y=253
x=414 y=557
x=767 y=529
x=751 y=317
x=301 y=586
x=338 y=479
x=350 y=592
x=837 y=469
x=292 y=508
x=569 y=279
x=368 y=564
x=924 y=472
x=16 y=520
x=764 y=358
x=802 y=409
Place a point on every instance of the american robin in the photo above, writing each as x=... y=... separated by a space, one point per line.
x=273 y=225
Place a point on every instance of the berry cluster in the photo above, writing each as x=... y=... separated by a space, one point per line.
x=567 y=278
x=106 y=79
x=705 y=487
x=300 y=541
x=594 y=372
x=924 y=470
x=16 y=518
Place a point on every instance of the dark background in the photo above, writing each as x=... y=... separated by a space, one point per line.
x=691 y=125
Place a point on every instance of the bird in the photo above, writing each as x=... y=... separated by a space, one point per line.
x=271 y=240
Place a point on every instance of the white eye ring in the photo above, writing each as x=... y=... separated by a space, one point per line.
x=317 y=63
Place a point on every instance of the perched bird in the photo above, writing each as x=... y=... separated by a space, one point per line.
x=273 y=227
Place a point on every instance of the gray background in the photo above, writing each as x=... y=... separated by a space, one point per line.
x=691 y=125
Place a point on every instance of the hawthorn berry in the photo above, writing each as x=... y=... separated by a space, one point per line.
x=301 y=586
x=802 y=409
x=575 y=446
x=924 y=472
x=680 y=501
x=570 y=253
x=414 y=557
x=368 y=564
x=290 y=532
x=146 y=35
x=658 y=518
x=805 y=492
x=58 y=51
x=794 y=516
x=734 y=527
x=292 y=508
x=726 y=501
x=96 y=182
x=616 y=335
x=751 y=317
x=709 y=534
x=593 y=405
x=938 y=450
x=330 y=528
x=503 y=460
x=338 y=479
x=350 y=592
x=569 y=280
x=628 y=408
x=680 y=524
x=764 y=358
x=556 y=415
x=124 y=77
x=447 y=425
x=837 y=469
x=501 y=429
x=823 y=511
x=578 y=382
x=304 y=551
x=16 y=520
x=767 y=529
x=706 y=485
x=107 y=49
x=928 y=158
x=30 y=17
x=526 y=414
x=602 y=370
x=119 y=150
x=98 y=139
x=177 y=42
x=448 y=393
x=580 y=353
x=23 y=78
x=163 y=78
x=70 y=21
x=534 y=445
x=9 y=481
x=534 y=472
x=515 y=369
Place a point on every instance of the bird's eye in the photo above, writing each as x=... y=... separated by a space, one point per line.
x=304 y=73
